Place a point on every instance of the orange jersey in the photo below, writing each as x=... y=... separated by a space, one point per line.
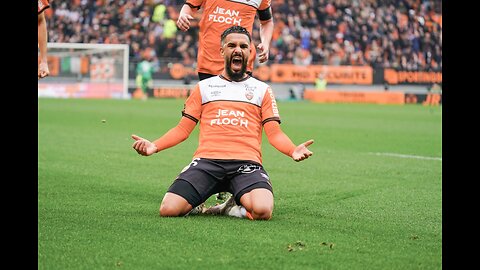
x=231 y=116
x=42 y=5
x=218 y=15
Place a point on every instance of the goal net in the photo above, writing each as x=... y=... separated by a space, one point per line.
x=84 y=70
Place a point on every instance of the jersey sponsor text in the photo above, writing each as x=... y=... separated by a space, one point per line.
x=274 y=102
x=229 y=117
x=227 y=16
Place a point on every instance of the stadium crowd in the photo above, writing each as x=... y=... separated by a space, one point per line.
x=402 y=34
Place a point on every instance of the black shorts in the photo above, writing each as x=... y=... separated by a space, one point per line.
x=204 y=177
x=203 y=76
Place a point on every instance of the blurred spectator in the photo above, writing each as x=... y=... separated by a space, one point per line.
x=302 y=57
x=403 y=34
x=159 y=12
x=169 y=29
x=321 y=82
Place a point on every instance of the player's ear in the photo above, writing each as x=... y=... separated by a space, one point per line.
x=222 y=51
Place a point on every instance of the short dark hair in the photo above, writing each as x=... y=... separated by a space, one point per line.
x=235 y=29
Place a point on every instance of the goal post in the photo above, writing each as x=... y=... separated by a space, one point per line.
x=86 y=70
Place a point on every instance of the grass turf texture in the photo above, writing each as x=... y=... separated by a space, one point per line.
x=346 y=207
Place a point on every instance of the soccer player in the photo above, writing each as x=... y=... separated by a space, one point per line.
x=42 y=39
x=232 y=109
x=144 y=78
x=217 y=16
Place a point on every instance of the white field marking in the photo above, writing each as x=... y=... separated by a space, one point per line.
x=406 y=156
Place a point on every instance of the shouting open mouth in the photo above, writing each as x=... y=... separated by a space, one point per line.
x=236 y=63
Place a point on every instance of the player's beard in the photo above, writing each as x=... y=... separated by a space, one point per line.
x=236 y=75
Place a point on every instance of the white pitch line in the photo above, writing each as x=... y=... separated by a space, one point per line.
x=406 y=156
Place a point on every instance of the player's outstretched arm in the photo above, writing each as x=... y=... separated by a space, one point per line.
x=173 y=137
x=143 y=146
x=301 y=152
x=282 y=142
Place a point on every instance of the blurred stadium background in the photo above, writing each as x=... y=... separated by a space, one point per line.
x=361 y=47
x=370 y=198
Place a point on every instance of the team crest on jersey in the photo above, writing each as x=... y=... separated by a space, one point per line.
x=249 y=95
x=249 y=91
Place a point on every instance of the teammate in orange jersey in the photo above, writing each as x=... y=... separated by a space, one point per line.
x=232 y=109
x=42 y=39
x=217 y=16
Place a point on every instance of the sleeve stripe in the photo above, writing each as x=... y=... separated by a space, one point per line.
x=190 y=117
x=265 y=15
x=192 y=6
x=43 y=9
x=271 y=119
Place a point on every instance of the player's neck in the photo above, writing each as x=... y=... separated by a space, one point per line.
x=225 y=76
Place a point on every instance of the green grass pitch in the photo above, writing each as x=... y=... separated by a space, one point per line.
x=369 y=198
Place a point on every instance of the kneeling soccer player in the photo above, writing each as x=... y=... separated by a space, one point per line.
x=232 y=109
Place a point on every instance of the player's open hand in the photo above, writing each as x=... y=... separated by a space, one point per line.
x=301 y=152
x=143 y=146
x=263 y=53
x=183 y=22
x=43 y=70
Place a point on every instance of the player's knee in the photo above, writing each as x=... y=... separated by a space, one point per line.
x=169 y=210
x=262 y=212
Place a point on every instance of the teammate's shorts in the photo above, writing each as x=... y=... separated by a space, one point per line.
x=203 y=76
x=204 y=177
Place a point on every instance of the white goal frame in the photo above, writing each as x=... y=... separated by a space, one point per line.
x=102 y=47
